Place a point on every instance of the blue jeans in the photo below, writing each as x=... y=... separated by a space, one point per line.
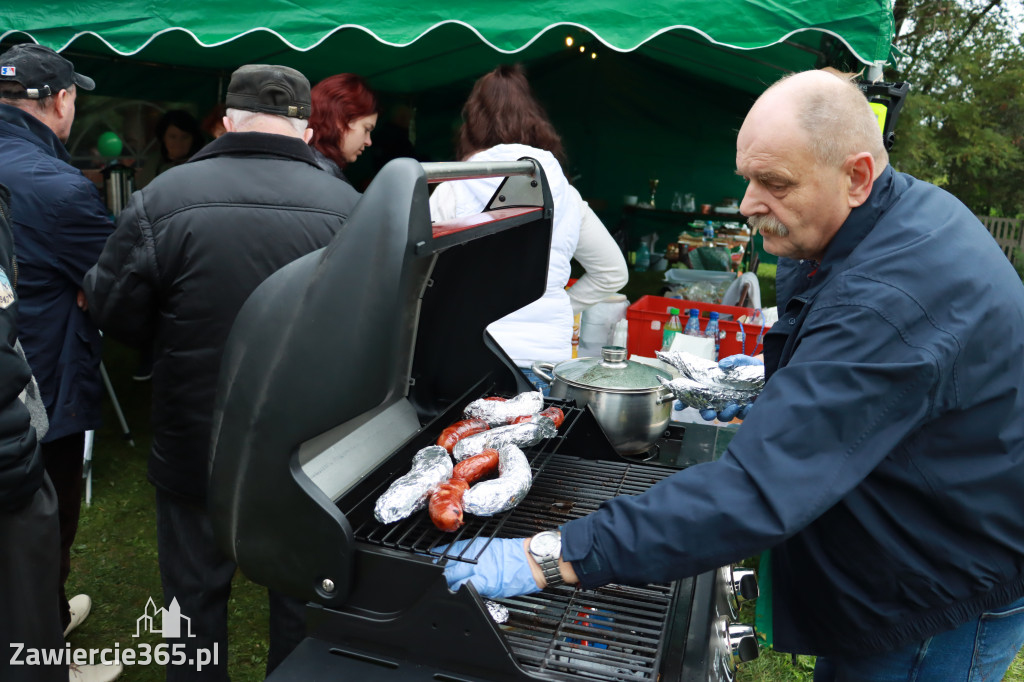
x=978 y=651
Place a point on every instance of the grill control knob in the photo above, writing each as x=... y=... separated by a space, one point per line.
x=743 y=643
x=744 y=583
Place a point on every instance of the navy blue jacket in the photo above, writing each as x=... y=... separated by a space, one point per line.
x=60 y=227
x=884 y=461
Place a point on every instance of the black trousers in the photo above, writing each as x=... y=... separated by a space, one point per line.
x=29 y=542
x=63 y=459
x=195 y=572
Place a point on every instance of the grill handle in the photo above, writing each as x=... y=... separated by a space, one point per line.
x=462 y=170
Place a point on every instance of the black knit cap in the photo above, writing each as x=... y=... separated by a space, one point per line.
x=269 y=89
x=40 y=70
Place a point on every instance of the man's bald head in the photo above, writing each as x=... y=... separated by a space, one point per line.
x=831 y=111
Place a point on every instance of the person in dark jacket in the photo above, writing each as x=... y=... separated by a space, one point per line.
x=188 y=250
x=883 y=463
x=29 y=526
x=60 y=227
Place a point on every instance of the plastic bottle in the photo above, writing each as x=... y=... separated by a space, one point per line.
x=693 y=323
x=672 y=327
x=709 y=231
x=711 y=331
x=643 y=257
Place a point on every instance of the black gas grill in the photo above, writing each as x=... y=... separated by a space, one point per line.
x=343 y=365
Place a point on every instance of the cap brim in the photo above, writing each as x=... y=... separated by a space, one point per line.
x=84 y=82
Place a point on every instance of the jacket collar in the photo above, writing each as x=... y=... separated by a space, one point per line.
x=30 y=128
x=262 y=144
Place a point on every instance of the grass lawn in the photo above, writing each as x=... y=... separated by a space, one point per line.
x=114 y=558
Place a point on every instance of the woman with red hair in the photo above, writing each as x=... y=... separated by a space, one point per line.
x=343 y=116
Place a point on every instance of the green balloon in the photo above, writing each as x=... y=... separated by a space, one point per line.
x=109 y=144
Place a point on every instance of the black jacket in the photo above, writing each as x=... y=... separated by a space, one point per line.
x=21 y=467
x=187 y=252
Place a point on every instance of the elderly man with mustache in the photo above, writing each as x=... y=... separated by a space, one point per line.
x=883 y=463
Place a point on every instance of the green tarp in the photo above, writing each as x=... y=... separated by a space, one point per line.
x=407 y=46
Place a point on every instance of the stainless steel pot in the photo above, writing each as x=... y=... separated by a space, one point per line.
x=627 y=399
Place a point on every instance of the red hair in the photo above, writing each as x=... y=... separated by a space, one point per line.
x=337 y=101
x=501 y=109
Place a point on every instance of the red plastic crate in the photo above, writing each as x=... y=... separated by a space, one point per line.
x=647 y=318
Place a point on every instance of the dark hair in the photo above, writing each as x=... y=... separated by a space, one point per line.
x=338 y=100
x=501 y=109
x=184 y=121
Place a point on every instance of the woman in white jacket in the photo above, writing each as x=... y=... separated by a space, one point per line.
x=502 y=121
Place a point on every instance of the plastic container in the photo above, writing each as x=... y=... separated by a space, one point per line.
x=647 y=317
x=712 y=332
x=597 y=324
x=672 y=327
x=693 y=323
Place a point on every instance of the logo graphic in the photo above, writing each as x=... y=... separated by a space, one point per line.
x=7 y=71
x=170 y=621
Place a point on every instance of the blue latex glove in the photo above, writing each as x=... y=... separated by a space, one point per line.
x=732 y=410
x=501 y=571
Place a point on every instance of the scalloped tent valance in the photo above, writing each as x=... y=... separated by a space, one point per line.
x=407 y=47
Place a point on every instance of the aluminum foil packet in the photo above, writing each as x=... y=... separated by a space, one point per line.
x=499 y=612
x=704 y=385
x=488 y=498
x=431 y=466
x=523 y=435
x=497 y=412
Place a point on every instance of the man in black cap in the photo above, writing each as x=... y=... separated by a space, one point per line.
x=60 y=226
x=188 y=250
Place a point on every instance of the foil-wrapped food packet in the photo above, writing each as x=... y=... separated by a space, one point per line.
x=523 y=435
x=408 y=494
x=488 y=498
x=497 y=412
x=704 y=385
x=499 y=612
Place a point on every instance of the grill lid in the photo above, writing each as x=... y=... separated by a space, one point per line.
x=344 y=357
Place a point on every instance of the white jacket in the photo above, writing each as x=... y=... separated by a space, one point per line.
x=543 y=329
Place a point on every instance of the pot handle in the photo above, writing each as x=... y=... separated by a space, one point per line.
x=665 y=396
x=539 y=369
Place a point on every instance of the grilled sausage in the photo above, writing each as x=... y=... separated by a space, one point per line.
x=553 y=413
x=446 y=505
x=459 y=430
x=474 y=468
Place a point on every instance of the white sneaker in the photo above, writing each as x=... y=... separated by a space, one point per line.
x=94 y=673
x=80 y=606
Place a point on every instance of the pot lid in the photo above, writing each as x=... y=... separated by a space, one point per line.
x=610 y=371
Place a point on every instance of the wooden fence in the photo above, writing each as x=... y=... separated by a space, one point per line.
x=1007 y=232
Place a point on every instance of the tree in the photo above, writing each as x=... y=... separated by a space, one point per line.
x=962 y=126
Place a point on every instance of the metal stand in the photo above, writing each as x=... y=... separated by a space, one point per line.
x=90 y=435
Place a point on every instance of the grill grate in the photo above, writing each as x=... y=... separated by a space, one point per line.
x=613 y=633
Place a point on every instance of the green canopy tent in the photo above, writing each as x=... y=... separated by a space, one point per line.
x=651 y=89
x=410 y=47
